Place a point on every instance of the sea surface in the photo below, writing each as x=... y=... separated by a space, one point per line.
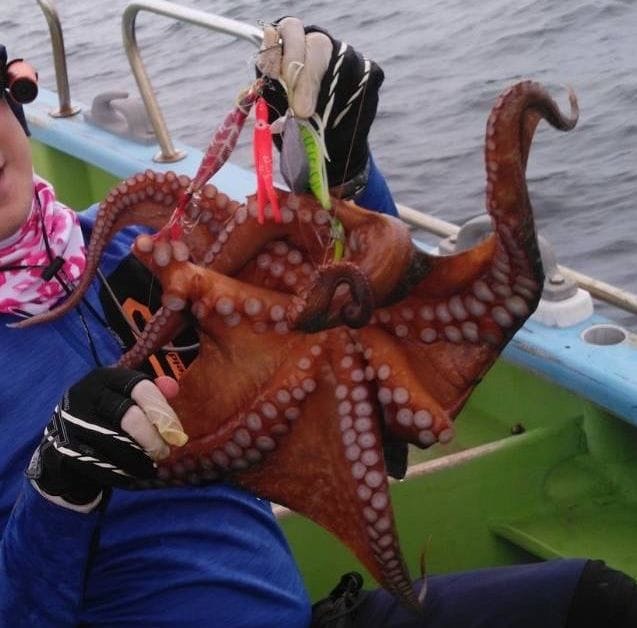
x=445 y=63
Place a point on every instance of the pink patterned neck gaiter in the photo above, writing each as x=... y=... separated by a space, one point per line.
x=23 y=290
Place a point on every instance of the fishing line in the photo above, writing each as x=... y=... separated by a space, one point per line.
x=356 y=125
x=268 y=48
x=298 y=68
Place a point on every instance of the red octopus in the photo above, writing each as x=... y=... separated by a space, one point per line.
x=299 y=380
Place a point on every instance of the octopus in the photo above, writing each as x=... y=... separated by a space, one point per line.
x=308 y=366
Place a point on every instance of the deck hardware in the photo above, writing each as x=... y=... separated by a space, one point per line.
x=116 y=113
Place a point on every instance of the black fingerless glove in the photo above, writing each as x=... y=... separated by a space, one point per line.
x=347 y=102
x=84 y=449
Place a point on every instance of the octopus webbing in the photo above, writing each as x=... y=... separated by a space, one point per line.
x=307 y=366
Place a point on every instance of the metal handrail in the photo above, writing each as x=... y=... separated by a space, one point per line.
x=193 y=16
x=599 y=289
x=59 y=59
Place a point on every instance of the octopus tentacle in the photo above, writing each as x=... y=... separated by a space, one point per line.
x=510 y=258
x=410 y=411
x=243 y=439
x=164 y=325
x=343 y=463
x=510 y=128
x=379 y=245
x=181 y=280
x=462 y=309
x=143 y=199
x=213 y=296
x=315 y=313
x=306 y=227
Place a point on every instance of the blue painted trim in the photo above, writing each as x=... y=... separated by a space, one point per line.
x=605 y=375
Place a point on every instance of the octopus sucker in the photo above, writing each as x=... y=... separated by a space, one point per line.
x=305 y=364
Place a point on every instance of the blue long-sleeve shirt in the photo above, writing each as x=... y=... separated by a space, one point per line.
x=181 y=557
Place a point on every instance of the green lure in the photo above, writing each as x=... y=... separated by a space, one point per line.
x=316 y=156
x=316 y=161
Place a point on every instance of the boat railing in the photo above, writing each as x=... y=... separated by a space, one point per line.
x=210 y=21
x=598 y=289
x=435 y=465
x=66 y=108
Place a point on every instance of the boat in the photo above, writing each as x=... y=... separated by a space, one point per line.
x=544 y=463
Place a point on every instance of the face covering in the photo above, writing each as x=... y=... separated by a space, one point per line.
x=52 y=230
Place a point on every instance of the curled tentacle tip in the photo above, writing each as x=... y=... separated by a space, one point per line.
x=27 y=322
x=574 y=104
x=357 y=315
x=572 y=97
x=359 y=311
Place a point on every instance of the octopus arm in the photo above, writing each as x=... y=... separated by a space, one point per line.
x=380 y=246
x=444 y=276
x=332 y=470
x=146 y=199
x=298 y=425
x=422 y=386
x=158 y=331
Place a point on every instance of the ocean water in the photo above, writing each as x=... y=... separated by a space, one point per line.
x=445 y=64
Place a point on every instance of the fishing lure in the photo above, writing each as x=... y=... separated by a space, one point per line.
x=316 y=155
x=337 y=233
x=294 y=165
x=262 y=145
x=224 y=139
x=222 y=143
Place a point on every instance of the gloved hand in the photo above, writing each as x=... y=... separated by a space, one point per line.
x=329 y=78
x=103 y=434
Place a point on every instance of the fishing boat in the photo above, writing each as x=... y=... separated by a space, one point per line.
x=545 y=457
